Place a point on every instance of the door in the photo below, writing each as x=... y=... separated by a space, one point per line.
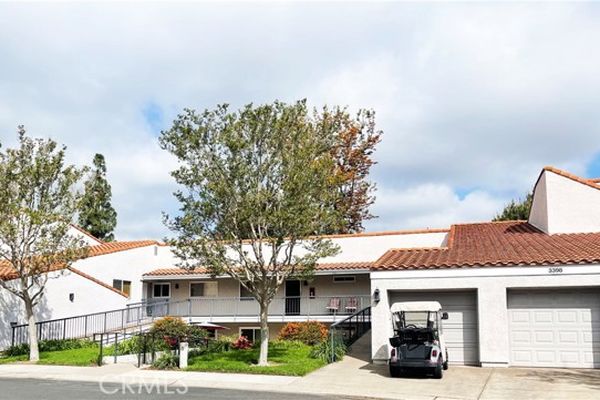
x=460 y=329
x=292 y=297
x=554 y=328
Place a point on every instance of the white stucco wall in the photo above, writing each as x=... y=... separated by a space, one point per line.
x=89 y=298
x=538 y=216
x=127 y=265
x=569 y=206
x=491 y=285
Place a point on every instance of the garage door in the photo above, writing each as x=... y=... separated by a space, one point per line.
x=460 y=329
x=554 y=328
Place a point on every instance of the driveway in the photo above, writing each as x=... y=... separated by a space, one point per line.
x=356 y=376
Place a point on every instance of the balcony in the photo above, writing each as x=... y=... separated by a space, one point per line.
x=281 y=309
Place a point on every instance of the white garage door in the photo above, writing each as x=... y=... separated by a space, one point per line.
x=554 y=328
x=460 y=329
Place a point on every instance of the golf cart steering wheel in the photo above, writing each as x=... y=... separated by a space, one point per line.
x=411 y=326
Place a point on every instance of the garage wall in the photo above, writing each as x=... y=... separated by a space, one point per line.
x=491 y=285
x=460 y=329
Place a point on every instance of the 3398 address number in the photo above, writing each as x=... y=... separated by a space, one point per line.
x=555 y=270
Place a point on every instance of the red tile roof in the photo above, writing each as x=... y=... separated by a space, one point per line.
x=203 y=271
x=509 y=243
x=113 y=247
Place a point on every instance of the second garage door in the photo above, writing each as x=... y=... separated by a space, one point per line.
x=554 y=328
x=460 y=329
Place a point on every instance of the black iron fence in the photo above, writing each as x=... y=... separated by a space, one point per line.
x=350 y=328
x=84 y=326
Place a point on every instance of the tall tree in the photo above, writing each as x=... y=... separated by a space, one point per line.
x=516 y=209
x=96 y=214
x=354 y=144
x=37 y=203
x=259 y=187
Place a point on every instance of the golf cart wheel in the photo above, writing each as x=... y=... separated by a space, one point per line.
x=445 y=365
x=395 y=372
x=438 y=372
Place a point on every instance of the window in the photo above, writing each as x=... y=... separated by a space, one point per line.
x=203 y=289
x=196 y=289
x=252 y=334
x=245 y=293
x=123 y=286
x=161 y=290
x=344 y=279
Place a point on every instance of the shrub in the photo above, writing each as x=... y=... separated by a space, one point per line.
x=167 y=361
x=170 y=327
x=50 y=345
x=324 y=350
x=309 y=332
x=223 y=343
x=132 y=345
x=242 y=343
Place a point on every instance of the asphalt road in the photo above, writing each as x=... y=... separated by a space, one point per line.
x=34 y=389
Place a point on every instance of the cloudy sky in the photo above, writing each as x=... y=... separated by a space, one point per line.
x=473 y=99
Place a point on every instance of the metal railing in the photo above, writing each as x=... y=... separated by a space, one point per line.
x=83 y=326
x=350 y=329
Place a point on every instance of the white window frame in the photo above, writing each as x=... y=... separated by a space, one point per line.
x=121 y=286
x=353 y=280
x=161 y=283
x=254 y=328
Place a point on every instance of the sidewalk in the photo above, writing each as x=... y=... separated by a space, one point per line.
x=352 y=377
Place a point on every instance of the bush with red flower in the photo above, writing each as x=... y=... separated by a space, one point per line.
x=242 y=343
x=308 y=332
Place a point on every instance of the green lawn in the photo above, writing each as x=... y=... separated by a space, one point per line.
x=85 y=356
x=286 y=358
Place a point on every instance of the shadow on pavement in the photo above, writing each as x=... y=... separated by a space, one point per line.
x=590 y=378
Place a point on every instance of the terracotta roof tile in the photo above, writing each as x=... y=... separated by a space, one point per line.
x=113 y=247
x=202 y=271
x=497 y=244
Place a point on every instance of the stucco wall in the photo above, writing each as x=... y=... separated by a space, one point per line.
x=568 y=207
x=89 y=298
x=491 y=285
x=125 y=265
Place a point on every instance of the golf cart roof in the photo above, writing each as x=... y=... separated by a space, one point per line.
x=416 y=306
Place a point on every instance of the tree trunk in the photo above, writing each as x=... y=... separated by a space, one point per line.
x=34 y=353
x=264 y=335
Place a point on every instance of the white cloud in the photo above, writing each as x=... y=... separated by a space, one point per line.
x=472 y=97
x=431 y=206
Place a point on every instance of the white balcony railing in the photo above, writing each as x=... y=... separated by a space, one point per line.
x=210 y=307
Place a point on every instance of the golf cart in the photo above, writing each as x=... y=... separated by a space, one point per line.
x=418 y=340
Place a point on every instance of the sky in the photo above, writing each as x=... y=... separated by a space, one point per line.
x=473 y=98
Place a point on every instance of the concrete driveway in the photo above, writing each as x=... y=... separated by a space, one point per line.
x=356 y=376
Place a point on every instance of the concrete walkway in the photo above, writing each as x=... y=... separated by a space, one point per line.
x=354 y=376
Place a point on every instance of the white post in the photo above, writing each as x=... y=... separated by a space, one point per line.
x=183 y=355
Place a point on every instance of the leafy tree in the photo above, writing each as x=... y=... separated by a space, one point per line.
x=37 y=203
x=96 y=214
x=354 y=143
x=259 y=187
x=516 y=210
